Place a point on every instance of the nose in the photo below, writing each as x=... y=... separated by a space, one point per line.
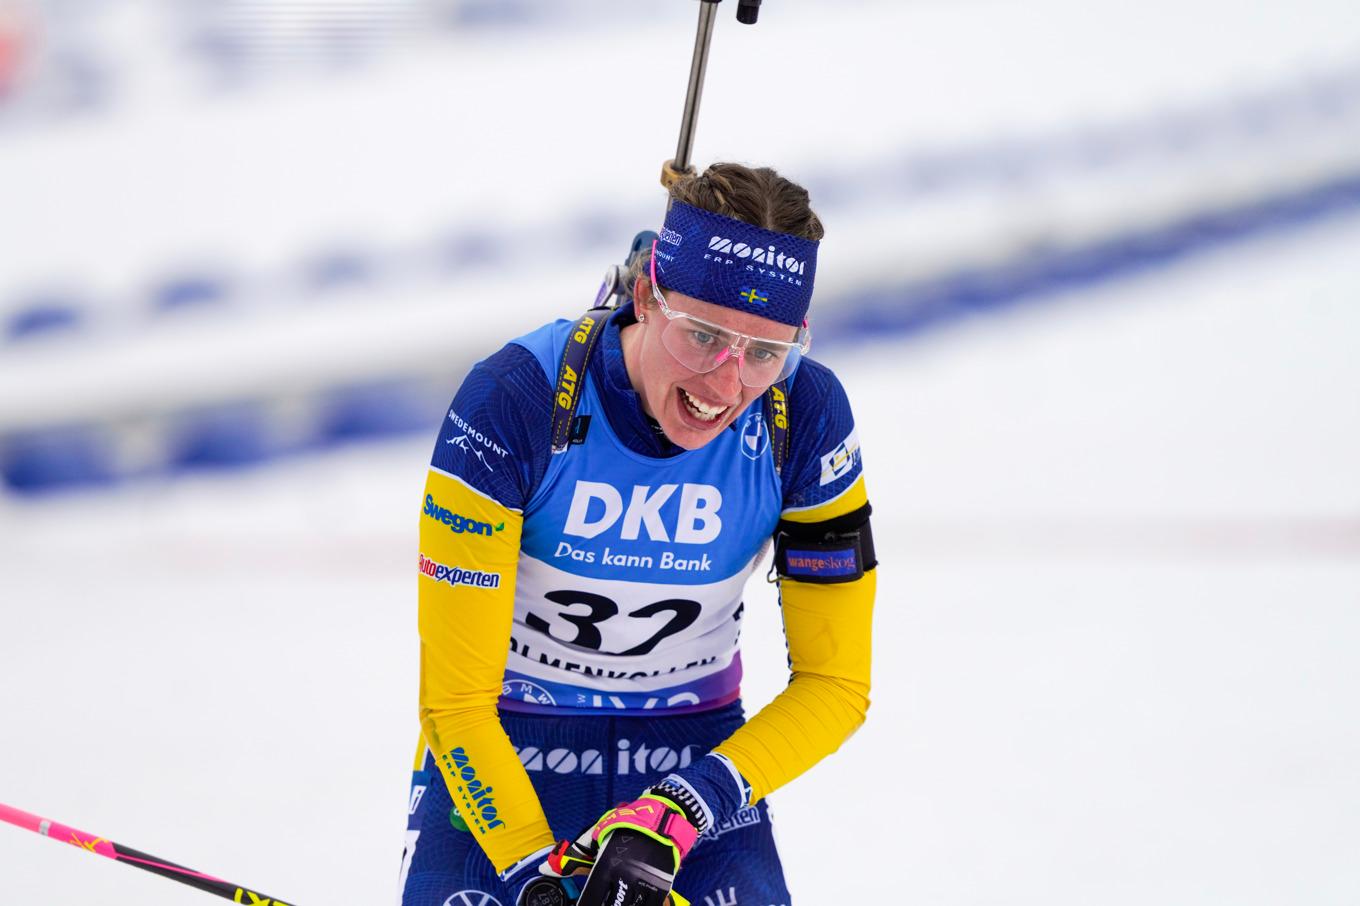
x=725 y=380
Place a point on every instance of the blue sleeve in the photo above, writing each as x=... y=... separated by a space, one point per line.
x=824 y=456
x=495 y=436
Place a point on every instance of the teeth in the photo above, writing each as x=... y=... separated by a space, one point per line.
x=703 y=411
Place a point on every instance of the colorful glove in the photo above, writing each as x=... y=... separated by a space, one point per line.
x=653 y=814
x=674 y=812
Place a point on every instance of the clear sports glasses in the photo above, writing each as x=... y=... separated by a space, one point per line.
x=702 y=346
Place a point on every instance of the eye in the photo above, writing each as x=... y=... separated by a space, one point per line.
x=702 y=338
x=760 y=355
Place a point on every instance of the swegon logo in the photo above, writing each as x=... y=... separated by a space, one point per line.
x=458 y=523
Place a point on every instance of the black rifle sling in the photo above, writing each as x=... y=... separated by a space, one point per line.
x=777 y=418
x=571 y=375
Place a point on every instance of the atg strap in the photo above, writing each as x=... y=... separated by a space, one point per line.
x=571 y=375
x=777 y=417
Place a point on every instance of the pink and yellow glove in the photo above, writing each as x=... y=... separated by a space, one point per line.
x=652 y=814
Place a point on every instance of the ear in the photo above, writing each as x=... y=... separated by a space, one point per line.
x=642 y=294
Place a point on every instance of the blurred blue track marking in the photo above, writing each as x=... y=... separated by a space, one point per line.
x=189 y=291
x=223 y=437
x=241 y=435
x=55 y=459
x=249 y=432
x=1290 y=110
x=41 y=317
x=1039 y=272
x=375 y=410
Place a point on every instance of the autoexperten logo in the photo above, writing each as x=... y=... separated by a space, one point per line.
x=456 y=575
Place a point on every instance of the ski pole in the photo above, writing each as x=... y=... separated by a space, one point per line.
x=747 y=12
x=119 y=853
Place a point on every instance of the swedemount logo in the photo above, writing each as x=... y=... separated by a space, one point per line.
x=458 y=523
x=769 y=255
x=474 y=441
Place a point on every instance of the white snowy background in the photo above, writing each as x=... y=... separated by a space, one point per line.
x=1118 y=520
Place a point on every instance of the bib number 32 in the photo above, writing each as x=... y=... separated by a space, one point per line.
x=586 y=611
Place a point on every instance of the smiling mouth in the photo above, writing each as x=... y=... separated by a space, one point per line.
x=700 y=410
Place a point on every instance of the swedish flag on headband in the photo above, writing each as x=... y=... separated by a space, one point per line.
x=753 y=297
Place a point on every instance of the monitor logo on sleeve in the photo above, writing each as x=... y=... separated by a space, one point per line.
x=841 y=460
x=596 y=507
x=475 y=795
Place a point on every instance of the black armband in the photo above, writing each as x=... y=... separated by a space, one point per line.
x=836 y=550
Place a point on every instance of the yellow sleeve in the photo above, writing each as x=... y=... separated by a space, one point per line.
x=829 y=631
x=469 y=548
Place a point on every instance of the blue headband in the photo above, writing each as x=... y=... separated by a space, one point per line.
x=730 y=262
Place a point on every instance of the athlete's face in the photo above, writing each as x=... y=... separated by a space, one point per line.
x=691 y=408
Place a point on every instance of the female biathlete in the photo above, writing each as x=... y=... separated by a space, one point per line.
x=599 y=494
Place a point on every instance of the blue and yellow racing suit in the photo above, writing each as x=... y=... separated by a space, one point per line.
x=580 y=612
